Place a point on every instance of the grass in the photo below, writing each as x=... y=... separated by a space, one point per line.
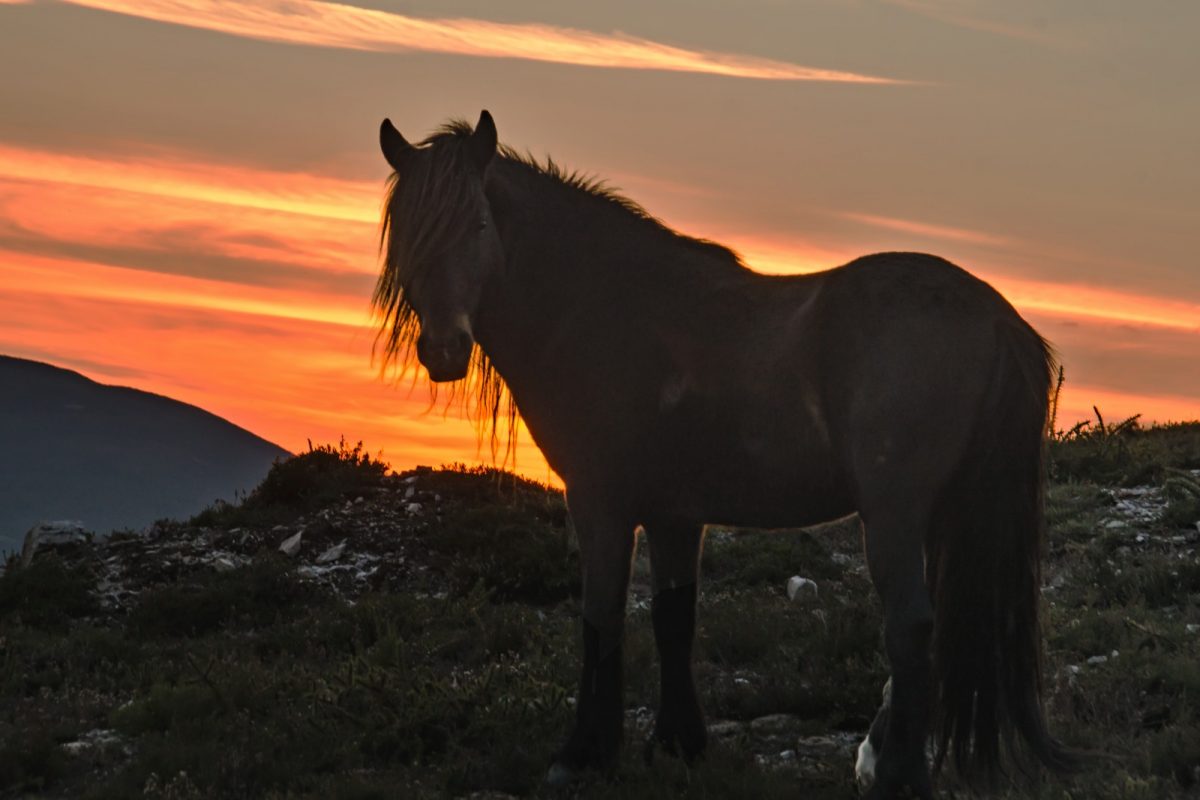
x=455 y=676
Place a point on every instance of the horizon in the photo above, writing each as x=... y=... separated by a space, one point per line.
x=191 y=197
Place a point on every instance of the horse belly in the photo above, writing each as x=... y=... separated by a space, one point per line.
x=769 y=476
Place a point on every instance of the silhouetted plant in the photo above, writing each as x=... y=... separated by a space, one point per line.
x=301 y=484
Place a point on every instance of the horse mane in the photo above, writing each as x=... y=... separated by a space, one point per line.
x=482 y=395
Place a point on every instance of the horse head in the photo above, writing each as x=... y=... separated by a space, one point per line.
x=441 y=244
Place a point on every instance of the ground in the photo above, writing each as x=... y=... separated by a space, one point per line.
x=420 y=641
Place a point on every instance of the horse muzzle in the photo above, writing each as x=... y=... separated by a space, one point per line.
x=445 y=357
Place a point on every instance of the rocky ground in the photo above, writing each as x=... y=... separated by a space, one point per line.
x=348 y=633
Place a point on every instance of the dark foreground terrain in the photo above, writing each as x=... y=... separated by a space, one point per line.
x=421 y=642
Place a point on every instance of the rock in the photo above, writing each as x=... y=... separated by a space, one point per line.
x=291 y=545
x=332 y=554
x=92 y=740
x=772 y=723
x=725 y=729
x=224 y=564
x=413 y=508
x=801 y=590
x=51 y=534
x=1097 y=660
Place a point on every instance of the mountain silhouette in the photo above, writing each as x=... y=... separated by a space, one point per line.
x=111 y=457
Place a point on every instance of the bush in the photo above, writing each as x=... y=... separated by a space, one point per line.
x=46 y=594
x=301 y=484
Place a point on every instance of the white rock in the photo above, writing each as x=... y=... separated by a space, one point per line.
x=223 y=564
x=51 y=534
x=413 y=508
x=332 y=554
x=801 y=590
x=291 y=545
x=1096 y=660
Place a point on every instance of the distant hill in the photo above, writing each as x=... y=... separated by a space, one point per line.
x=110 y=456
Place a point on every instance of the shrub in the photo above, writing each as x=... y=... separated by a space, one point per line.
x=301 y=484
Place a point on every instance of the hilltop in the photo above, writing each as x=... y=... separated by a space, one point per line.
x=111 y=456
x=346 y=632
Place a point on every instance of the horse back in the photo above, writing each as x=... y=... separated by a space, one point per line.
x=802 y=392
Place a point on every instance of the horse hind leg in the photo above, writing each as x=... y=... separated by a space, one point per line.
x=896 y=562
x=674 y=564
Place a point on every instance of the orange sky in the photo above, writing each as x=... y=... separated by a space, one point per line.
x=210 y=232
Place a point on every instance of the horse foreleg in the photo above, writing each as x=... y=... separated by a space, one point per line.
x=896 y=564
x=674 y=566
x=606 y=548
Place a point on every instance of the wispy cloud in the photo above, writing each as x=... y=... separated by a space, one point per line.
x=927 y=230
x=1099 y=304
x=290 y=192
x=960 y=15
x=321 y=24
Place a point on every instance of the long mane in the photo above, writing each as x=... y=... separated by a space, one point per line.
x=405 y=242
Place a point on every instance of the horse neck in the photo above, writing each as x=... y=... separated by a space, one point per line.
x=569 y=253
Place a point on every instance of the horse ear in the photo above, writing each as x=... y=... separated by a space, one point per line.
x=393 y=145
x=483 y=140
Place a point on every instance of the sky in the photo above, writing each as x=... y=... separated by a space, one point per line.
x=190 y=190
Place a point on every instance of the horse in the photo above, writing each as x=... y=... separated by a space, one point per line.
x=671 y=387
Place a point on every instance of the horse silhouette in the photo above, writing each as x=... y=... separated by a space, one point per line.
x=672 y=387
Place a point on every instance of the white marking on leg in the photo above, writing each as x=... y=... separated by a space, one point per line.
x=864 y=766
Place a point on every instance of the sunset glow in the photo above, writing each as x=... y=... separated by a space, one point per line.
x=196 y=214
x=319 y=24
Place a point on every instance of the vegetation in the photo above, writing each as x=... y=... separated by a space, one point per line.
x=436 y=656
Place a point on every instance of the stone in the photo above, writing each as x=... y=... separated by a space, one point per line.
x=801 y=590
x=52 y=534
x=291 y=545
x=332 y=554
x=772 y=723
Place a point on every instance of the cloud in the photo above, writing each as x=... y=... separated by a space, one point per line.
x=290 y=192
x=959 y=15
x=925 y=229
x=321 y=24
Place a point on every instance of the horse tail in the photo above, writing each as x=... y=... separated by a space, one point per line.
x=983 y=570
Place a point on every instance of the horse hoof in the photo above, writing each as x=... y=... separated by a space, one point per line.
x=559 y=775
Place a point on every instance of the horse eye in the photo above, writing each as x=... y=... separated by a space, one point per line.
x=483 y=223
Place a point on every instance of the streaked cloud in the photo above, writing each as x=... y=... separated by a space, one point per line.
x=34 y=274
x=294 y=193
x=970 y=16
x=321 y=24
x=1099 y=304
x=926 y=229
